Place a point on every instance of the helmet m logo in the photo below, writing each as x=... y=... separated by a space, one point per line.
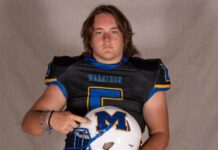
x=118 y=119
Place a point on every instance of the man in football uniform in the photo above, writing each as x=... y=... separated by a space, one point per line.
x=106 y=74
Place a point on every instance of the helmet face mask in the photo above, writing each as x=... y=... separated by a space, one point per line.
x=81 y=138
x=111 y=129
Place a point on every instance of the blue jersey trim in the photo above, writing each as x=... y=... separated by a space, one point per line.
x=92 y=61
x=155 y=90
x=167 y=77
x=61 y=87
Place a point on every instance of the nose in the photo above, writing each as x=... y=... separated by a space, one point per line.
x=107 y=36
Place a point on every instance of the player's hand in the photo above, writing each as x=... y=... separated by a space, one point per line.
x=64 y=122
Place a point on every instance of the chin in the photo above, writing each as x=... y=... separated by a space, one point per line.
x=108 y=58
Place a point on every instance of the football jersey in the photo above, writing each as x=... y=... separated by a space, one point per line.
x=88 y=84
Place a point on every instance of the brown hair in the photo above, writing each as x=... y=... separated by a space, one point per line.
x=123 y=25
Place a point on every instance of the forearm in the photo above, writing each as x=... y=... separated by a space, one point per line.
x=31 y=123
x=157 y=141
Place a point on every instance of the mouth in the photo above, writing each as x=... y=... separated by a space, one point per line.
x=107 y=46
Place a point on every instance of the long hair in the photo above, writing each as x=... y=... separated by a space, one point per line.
x=122 y=23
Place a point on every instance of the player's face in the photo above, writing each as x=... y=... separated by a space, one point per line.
x=107 y=39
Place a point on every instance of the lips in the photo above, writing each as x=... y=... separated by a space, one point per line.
x=107 y=46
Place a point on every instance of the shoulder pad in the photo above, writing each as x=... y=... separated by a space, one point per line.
x=145 y=64
x=58 y=65
x=155 y=71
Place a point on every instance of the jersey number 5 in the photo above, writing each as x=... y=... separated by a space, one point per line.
x=97 y=95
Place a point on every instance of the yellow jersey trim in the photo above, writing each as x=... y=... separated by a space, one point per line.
x=50 y=80
x=162 y=85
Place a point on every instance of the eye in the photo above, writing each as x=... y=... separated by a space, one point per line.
x=115 y=31
x=99 y=32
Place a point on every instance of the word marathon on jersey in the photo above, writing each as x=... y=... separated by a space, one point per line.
x=105 y=78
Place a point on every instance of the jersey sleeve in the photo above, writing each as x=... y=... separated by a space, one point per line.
x=54 y=71
x=162 y=81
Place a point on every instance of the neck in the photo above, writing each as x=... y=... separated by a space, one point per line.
x=108 y=61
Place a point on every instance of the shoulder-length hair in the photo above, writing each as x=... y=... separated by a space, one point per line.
x=122 y=23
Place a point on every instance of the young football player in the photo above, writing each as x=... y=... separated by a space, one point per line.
x=107 y=73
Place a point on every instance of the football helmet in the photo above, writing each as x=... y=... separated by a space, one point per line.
x=111 y=128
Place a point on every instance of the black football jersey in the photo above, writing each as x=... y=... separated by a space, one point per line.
x=87 y=84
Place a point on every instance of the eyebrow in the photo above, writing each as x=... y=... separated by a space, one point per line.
x=99 y=28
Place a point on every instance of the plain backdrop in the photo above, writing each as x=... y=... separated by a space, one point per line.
x=183 y=33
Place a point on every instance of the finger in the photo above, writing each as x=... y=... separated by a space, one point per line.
x=66 y=131
x=74 y=124
x=81 y=119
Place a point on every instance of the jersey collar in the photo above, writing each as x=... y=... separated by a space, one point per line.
x=92 y=61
